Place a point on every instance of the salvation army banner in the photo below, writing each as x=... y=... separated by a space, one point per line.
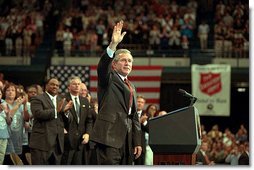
x=211 y=86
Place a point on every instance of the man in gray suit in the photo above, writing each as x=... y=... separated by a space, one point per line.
x=117 y=129
x=47 y=138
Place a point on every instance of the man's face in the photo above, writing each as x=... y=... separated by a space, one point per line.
x=140 y=103
x=124 y=65
x=52 y=87
x=74 y=86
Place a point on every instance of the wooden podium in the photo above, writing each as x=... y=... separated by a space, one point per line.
x=175 y=137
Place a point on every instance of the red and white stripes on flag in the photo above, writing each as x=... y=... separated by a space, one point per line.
x=147 y=80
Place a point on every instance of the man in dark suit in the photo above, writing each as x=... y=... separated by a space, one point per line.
x=47 y=138
x=202 y=157
x=90 y=154
x=244 y=157
x=144 y=128
x=117 y=129
x=78 y=130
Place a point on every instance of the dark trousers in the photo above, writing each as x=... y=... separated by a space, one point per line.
x=90 y=156
x=107 y=155
x=40 y=157
x=140 y=160
x=72 y=157
x=25 y=149
x=7 y=160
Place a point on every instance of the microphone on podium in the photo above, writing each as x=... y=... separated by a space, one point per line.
x=186 y=94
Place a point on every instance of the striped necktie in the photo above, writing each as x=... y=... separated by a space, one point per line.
x=77 y=108
x=127 y=82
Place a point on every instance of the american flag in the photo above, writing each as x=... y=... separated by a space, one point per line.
x=147 y=79
x=63 y=73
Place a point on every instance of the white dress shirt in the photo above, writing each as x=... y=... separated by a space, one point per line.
x=74 y=99
x=53 y=99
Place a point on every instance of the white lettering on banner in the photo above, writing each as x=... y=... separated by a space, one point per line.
x=221 y=100
x=208 y=68
x=213 y=89
x=208 y=84
x=218 y=100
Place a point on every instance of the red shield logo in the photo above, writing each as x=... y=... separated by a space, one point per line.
x=210 y=83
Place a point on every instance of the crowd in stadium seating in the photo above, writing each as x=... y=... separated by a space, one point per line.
x=157 y=25
x=218 y=147
x=22 y=27
x=231 y=30
x=85 y=27
x=225 y=147
x=154 y=25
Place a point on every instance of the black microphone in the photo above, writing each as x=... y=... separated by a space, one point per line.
x=185 y=93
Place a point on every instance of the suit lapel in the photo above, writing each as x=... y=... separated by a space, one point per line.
x=48 y=100
x=134 y=98
x=68 y=98
x=58 y=100
x=82 y=107
x=125 y=90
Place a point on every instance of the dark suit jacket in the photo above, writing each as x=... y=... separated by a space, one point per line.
x=47 y=132
x=91 y=143
x=144 y=130
x=243 y=159
x=113 y=122
x=75 y=129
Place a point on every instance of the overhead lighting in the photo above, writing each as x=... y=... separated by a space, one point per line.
x=241 y=89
